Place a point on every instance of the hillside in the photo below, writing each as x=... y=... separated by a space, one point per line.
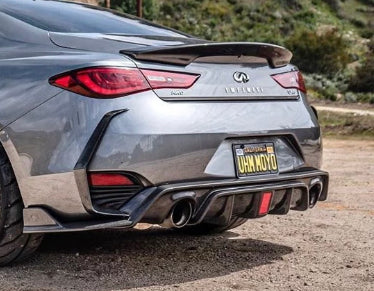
x=332 y=40
x=269 y=20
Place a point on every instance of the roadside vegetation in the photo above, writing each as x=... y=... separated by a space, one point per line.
x=332 y=40
x=335 y=124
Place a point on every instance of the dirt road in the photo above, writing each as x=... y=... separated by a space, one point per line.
x=345 y=110
x=328 y=248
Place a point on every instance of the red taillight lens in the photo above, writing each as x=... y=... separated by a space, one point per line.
x=107 y=82
x=162 y=79
x=108 y=179
x=265 y=203
x=290 y=80
x=102 y=82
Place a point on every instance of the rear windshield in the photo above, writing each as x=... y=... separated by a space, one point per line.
x=79 y=18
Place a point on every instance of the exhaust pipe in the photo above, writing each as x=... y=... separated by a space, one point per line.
x=180 y=214
x=315 y=190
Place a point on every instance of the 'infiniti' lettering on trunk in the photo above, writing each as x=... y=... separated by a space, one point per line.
x=244 y=90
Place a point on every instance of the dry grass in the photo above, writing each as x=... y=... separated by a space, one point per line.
x=346 y=124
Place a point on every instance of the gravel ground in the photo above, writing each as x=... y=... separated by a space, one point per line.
x=328 y=248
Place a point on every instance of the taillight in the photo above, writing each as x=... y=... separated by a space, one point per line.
x=162 y=79
x=290 y=80
x=102 y=82
x=109 y=179
x=110 y=82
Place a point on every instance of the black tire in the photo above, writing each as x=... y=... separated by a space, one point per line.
x=208 y=228
x=14 y=244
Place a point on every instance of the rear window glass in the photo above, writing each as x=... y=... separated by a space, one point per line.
x=79 y=18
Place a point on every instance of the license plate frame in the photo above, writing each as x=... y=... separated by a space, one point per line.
x=253 y=159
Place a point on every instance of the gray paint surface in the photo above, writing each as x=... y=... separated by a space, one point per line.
x=162 y=140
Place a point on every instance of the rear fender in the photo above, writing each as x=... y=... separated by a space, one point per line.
x=37 y=190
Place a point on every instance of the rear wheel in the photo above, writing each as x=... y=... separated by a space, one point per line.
x=208 y=228
x=14 y=244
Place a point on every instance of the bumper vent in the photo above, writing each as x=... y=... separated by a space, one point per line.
x=112 y=197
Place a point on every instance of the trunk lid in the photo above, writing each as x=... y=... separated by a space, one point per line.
x=227 y=71
x=218 y=81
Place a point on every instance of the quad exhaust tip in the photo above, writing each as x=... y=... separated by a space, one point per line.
x=180 y=214
x=315 y=190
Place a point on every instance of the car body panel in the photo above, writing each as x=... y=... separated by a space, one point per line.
x=170 y=140
x=149 y=142
x=64 y=124
x=113 y=43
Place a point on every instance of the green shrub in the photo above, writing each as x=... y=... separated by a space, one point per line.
x=367 y=2
x=334 y=4
x=366 y=32
x=350 y=97
x=293 y=4
x=367 y=97
x=363 y=80
x=129 y=6
x=322 y=87
x=325 y=53
x=371 y=45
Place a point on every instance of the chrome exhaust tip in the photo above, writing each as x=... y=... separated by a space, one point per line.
x=315 y=190
x=180 y=214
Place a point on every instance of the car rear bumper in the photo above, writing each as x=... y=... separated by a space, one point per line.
x=168 y=157
x=185 y=141
x=162 y=143
x=213 y=201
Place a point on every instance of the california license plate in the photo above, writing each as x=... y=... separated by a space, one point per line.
x=255 y=159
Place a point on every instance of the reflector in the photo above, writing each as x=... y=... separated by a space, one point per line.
x=108 y=179
x=265 y=203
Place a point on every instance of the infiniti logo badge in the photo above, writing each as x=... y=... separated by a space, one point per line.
x=241 y=77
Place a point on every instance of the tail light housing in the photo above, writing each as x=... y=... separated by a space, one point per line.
x=112 y=82
x=291 y=80
x=163 y=79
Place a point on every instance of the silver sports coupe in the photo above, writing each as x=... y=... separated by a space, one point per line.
x=108 y=120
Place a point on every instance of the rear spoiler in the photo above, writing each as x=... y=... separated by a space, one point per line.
x=276 y=56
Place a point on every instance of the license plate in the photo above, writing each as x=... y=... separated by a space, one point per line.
x=255 y=159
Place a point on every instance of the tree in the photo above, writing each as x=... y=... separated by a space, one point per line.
x=149 y=7
x=325 y=53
